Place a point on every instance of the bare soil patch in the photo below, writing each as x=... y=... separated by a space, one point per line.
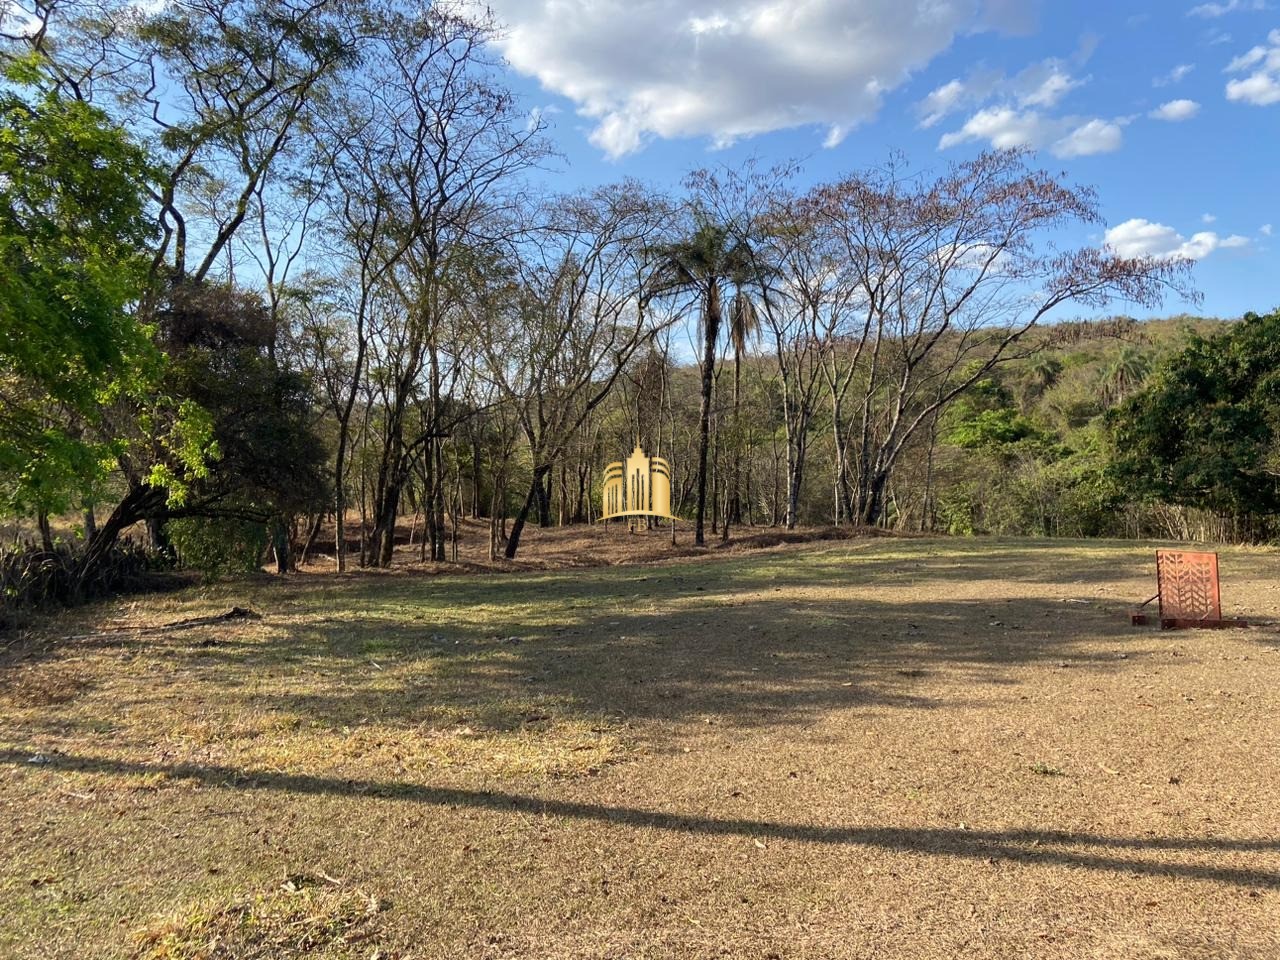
x=584 y=545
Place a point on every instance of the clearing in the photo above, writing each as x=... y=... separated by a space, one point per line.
x=879 y=748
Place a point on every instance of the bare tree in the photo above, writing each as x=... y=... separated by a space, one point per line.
x=560 y=333
x=424 y=142
x=954 y=271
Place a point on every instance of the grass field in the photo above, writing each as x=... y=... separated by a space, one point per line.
x=866 y=749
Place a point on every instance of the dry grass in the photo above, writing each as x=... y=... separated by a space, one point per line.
x=871 y=748
x=296 y=919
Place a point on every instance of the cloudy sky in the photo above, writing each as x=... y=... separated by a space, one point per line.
x=1171 y=108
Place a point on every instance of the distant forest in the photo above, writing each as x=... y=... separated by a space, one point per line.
x=268 y=264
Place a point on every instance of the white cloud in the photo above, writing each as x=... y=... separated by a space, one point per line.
x=941 y=102
x=1176 y=110
x=1142 y=238
x=1094 y=136
x=1265 y=230
x=1005 y=127
x=1016 y=111
x=1050 y=90
x=1222 y=9
x=1176 y=75
x=682 y=68
x=1262 y=86
x=1041 y=85
x=1208 y=217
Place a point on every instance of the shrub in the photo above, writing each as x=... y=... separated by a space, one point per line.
x=32 y=577
x=218 y=547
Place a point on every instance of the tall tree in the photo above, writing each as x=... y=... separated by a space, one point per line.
x=74 y=244
x=215 y=90
x=711 y=261
x=574 y=313
x=1205 y=430
x=955 y=271
x=428 y=143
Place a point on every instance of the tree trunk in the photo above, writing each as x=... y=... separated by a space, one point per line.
x=312 y=534
x=340 y=510
x=874 y=508
x=436 y=451
x=926 y=508
x=513 y=541
x=843 y=500
x=429 y=484
x=476 y=510
x=795 y=480
x=544 y=501
x=137 y=503
x=716 y=479
x=711 y=335
x=280 y=544
x=46 y=533
x=735 y=476
x=384 y=531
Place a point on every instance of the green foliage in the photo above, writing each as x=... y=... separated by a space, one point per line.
x=244 y=426
x=985 y=420
x=73 y=255
x=1204 y=431
x=189 y=446
x=957 y=510
x=1020 y=475
x=993 y=430
x=218 y=547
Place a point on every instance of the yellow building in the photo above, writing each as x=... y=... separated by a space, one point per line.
x=639 y=486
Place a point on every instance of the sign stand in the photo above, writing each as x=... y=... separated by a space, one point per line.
x=1188 y=592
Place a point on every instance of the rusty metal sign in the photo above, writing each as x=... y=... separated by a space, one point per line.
x=1188 y=591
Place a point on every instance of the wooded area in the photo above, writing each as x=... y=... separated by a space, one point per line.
x=268 y=264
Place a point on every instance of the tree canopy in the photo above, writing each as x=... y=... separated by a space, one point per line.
x=74 y=249
x=1204 y=431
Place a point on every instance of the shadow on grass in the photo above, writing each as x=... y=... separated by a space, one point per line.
x=751 y=662
x=770 y=638
x=1030 y=847
x=751 y=640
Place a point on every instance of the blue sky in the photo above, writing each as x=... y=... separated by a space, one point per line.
x=1171 y=109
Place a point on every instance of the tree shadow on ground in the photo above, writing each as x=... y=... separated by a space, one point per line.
x=770 y=638
x=1031 y=847
x=657 y=646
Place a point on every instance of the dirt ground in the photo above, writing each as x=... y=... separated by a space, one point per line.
x=583 y=545
x=868 y=748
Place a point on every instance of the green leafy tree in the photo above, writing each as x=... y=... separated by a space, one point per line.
x=270 y=464
x=1204 y=431
x=74 y=252
x=1126 y=373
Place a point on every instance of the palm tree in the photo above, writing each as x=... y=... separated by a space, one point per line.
x=1126 y=373
x=707 y=263
x=1041 y=376
x=744 y=325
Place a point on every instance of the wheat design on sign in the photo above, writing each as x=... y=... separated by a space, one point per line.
x=1188 y=585
x=1188 y=590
